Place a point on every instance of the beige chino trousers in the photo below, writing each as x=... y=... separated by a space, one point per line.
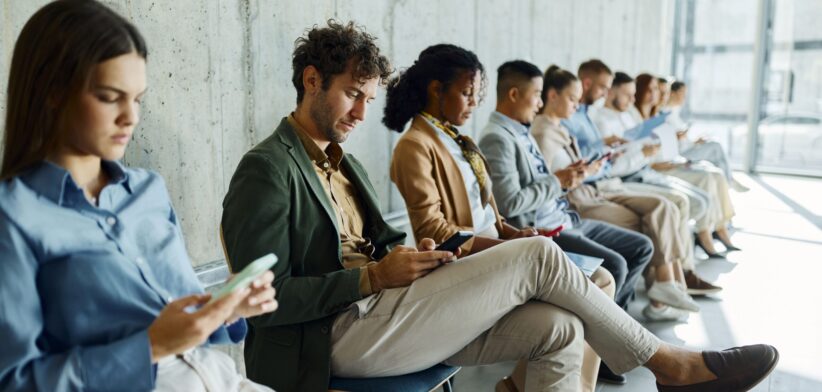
x=713 y=182
x=202 y=369
x=520 y=299
x=682 y=226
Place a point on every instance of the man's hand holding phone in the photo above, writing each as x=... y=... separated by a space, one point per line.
x=405 y=264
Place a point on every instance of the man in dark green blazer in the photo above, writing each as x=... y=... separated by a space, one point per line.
x=278 y=203
x=355 y=303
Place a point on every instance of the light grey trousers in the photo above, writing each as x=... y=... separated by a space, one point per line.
x=203 y=369
x=522 y=299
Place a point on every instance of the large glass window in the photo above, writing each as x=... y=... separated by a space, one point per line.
x=790 y=132
x=714 y=55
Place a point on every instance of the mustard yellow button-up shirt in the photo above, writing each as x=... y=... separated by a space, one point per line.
x=356 y=249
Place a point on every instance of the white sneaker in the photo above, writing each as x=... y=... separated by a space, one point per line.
x=669 y=293
x=664 y=313
x=737 y=186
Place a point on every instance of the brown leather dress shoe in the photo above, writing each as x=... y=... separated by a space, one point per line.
x=697 y=286
x=736 y=369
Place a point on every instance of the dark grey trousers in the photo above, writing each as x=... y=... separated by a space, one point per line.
x=625 y=252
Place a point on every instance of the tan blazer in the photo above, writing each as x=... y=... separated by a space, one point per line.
x=432 y=185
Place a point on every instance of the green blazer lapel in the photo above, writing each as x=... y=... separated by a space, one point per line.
x=304 y=164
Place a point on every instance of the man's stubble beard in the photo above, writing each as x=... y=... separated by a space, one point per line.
x=320 y=113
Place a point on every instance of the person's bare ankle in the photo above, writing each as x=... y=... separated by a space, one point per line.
x=682 y=367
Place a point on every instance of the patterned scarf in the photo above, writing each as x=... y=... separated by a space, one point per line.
x=472 y=154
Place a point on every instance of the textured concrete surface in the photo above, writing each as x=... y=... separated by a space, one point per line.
x=219 y=73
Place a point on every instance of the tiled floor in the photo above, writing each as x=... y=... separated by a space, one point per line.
x=772 y=291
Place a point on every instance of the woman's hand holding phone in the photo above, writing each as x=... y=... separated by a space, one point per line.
x=259 y=301
x=176 y=329
x=247 y=294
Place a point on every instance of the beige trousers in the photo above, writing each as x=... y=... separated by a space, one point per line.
x=520 y=299
x=713 y=182
x=590 y=360
x=203 y=369
x=682 y=226
x=648 y=214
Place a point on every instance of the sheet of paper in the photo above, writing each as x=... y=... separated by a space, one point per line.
x=669 y=144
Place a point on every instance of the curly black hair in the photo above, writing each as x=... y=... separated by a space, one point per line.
x=406 y=95
x=330 y=49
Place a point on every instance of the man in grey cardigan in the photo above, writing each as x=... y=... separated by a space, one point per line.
x=528 y=194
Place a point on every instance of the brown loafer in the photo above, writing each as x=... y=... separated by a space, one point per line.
x=697 y=286
x=736 y=369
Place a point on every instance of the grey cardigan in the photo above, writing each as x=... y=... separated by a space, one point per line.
x=518 y=188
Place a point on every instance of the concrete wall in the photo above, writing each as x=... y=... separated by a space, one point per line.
x=219 y=73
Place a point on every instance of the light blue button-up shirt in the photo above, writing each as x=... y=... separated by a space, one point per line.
x=80 y=284
x=589 y=139
x=581 y=127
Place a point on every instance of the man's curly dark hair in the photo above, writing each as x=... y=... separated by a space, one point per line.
x=329 y=49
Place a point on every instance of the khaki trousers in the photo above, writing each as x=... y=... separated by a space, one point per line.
x=203 y=369
x=682 y=227
x=520 y=299
x=711 y=180
x=648 y=214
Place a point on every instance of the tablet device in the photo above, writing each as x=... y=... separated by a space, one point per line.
x=455 y=241
x=246 y=276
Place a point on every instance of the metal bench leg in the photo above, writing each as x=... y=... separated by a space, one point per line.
x=448 y=386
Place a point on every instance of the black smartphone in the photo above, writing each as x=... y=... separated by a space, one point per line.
x=593 y=158
x=459 y=238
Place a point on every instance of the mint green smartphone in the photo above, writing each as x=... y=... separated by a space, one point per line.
x=246 y=276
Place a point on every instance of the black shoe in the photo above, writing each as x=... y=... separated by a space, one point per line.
x=609 y=377
x=716 y=255
x=728 y=247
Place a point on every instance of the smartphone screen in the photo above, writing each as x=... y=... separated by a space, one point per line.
x=246 y=276
x=454 y=242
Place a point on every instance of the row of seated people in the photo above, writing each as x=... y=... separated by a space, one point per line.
x=450 y=184
x=97 y=291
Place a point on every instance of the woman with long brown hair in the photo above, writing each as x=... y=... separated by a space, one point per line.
x=96 y=288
